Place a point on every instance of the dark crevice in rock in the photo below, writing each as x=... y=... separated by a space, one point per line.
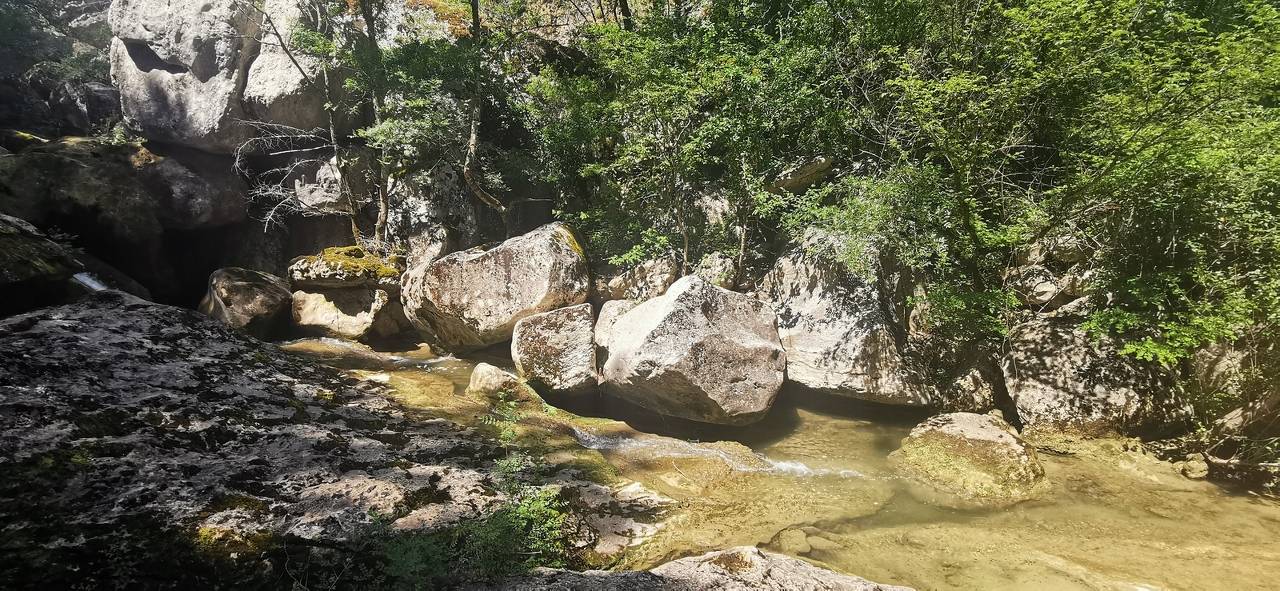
x=147 y=60
x=1000 y=391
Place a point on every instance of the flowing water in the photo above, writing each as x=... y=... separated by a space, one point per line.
x=812 y=480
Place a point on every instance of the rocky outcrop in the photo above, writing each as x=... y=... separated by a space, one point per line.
x=119 y=201
x=555 y=351
x=473 y=299
x=718 y=269
x=1040 y=289
x=84 y=108
x=33 y=269
x=736 y=568
x=970 y=460
x=86 y=20
x=838 y=338
x=284 y=88
x=647 y=280
x=181 y=69
x=146 y=443
x=254 y=302
x=698 y=352
x=1060 y=378
x=433 y=216
x=348 y=293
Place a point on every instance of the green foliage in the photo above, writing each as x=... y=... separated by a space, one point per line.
x=531 y=531
x=962 y=132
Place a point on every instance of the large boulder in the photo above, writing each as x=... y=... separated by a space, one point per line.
x=742 y=568
x=473 y=299
x=1060 y=378
x=647 y=280
x=555 y=351
x=252 y=301
x=838 y=338
x=180 y=68
x=433 y=215
x=285 y=87
x=970 y=460
x=85 y=108
x=147 y=443
x=698 y=352
x=348 y=293
x=121 y=202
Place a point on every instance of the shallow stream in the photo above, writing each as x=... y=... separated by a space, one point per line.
x=812 y=480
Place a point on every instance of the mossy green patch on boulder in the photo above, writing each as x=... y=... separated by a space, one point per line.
x=344 y=266
x=969 y=460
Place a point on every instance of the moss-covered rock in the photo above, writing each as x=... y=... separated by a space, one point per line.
x=345 y=266
x=969 y=460
x=348 y=292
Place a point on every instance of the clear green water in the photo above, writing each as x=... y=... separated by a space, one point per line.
x=812 y=481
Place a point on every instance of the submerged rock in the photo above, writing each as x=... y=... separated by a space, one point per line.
x=252 y=301
x=473 y=299
x=146 y=443
x=838 y=340
x=1061 y=379
x=555 y=350
x=736 y=568
x=970 y=460
x=699 y=352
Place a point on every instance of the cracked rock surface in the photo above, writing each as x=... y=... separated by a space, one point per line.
x=142 y=441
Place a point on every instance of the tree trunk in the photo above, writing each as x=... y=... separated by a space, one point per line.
x=338 y=159
x=376 y=95
x=742 y=247
x=625 y=7
x=469 y=165
x=473 y=142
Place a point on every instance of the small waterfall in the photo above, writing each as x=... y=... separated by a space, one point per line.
x=90 y=281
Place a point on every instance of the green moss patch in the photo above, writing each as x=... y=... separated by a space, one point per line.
x=356 y=261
